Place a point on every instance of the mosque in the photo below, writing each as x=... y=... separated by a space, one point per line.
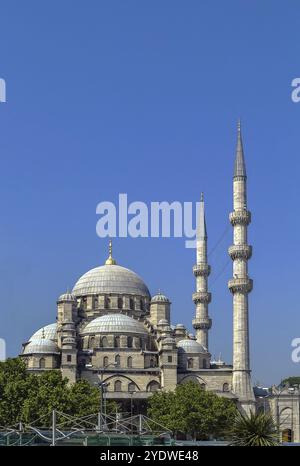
x=110 y=330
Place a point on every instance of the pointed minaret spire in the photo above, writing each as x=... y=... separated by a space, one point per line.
x=239 y=165
x=202 y=322
x=202 y=234
x=241 y=285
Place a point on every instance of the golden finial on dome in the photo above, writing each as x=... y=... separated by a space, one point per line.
x=110 y=260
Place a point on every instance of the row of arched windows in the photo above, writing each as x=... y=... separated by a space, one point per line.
x=120 y=303
x=190 y=363
x=153 y=386
x=117 y=361
x=104 y=343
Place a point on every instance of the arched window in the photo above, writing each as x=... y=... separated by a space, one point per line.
x=225 y=387
x=117 y=360
x=92 y=342
x=118 y=386
x=107 y=302
x=190 y=363
x=131 y=387
x=117 y=342
x=42 y=363
x=204 y=364
x=120 y=303
x=129 y=342
x=142 y=304
x=105 y=361
x=131 y=304
x=153 y=386
x=104 y=342
x=129 y=361
x=96 y=302
x=287 y=435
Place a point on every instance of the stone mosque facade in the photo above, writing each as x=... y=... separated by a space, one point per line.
x=110 y=331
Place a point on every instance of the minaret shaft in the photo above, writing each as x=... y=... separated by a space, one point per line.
x=202 y=322
x=240 y=252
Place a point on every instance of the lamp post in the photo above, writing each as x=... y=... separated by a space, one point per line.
x=132 y=392
x=102 y=385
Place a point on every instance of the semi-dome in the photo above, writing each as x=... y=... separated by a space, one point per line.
x=114 y=323
x=190 y=346
x=41 y=346
x=110 y=278
x=48 y=332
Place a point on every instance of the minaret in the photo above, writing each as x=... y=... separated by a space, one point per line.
x=202 y=322
x=241 y=284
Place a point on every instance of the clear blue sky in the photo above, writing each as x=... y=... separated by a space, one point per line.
x=143 y=98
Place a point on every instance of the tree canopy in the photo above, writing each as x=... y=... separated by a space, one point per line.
x=290 y=381
x=193 y=411
x=26 y=397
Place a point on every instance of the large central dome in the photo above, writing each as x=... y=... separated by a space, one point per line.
x=110 y=278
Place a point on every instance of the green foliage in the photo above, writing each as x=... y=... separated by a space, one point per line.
x=26 y=397
x=254 y=430
x=191 y=410
x=291 y=381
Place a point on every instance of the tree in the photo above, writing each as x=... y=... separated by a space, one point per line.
x=254 y=430
x=193 y=411
x=27 y=397
x=291 y=381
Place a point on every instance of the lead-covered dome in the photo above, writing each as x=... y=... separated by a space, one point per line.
x=41 y=346
x=114 y=323
x=190 y=346
x=110 y=278
x=48 y=332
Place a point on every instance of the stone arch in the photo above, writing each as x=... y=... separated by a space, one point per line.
x=193 y=378
x=122 y=378
x=153 y=386
x=129 y=361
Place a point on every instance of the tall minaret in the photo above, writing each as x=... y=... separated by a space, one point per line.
x=202 y=322
x=241 y=284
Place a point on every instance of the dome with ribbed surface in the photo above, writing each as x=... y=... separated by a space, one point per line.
x=48 y=332
x=67 y=297
x=110 y=279
x=114 y=323
x=41 y=346
x=190 y=346
x=160 y=298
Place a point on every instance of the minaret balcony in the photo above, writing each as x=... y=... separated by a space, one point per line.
x=201 y=270
x=240 y=285
x=240 y=217
x=241 y=251
x=202 y=297
x=202 y=323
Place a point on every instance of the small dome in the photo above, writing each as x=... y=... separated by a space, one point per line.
x=67 y=298
x=114 y=323
x=180 y=326
x=168 y=341
x=163 y=322
x=110 y=279
x=190 y=346
x=41 y=346
x=48 y=332
x=159 y=298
